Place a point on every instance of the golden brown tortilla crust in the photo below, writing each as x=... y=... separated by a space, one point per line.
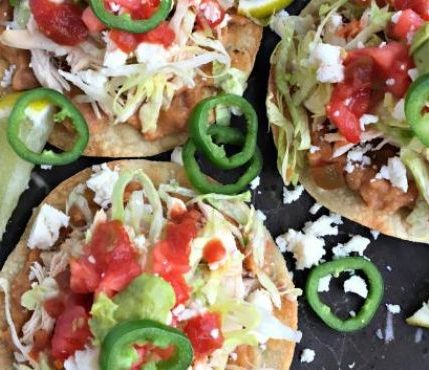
x=241 y=38
x=347 y=202
x=278 y=354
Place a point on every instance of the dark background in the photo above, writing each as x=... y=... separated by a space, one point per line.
x=406 y=284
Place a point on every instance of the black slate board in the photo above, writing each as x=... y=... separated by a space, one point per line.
x=406 y=284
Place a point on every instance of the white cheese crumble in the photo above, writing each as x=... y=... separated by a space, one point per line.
x=328 y=58
x=101 y=183
x=413 y=73
x=255 y=183
x=176 y=155
x=315 y=208
x=357 y=244
x=395 y=172
x=393 y=308
x=307 y=249
x=153 y=55
x=375 y=234
x=290 y=196
x=114 y=57
x=307 y=355
x=388 y=268
x=398 y=112
x=379 y=334
x=396 y=16
x=323 y=226
x=355 y=284
x=367 y=119
x=45 y=230
x=390 y=81
x=86 y=359
x=8 y=76
x=260 y=215
x=324 y=283
x=214 y=333
x=46 y=166
x=307 y=246
x=262 y=299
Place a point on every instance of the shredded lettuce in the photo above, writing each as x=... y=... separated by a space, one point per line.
x=378 y=18
x=118 y=211
x=418 y=166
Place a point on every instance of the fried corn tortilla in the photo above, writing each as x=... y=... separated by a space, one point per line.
x=241 y=38
x=347 y=202
x=277 y=355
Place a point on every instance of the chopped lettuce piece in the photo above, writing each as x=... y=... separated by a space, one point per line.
x=102 y=316
x=419 y=167
x=378 y=18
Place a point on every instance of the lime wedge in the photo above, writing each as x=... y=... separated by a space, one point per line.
x=420 y=317
x=35 y=133
x=261 y=9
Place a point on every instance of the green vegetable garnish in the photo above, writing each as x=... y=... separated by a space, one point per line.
x=67 y=110
x=366 y=313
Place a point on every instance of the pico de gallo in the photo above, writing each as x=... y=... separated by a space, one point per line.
x=353 y=88
x=123 y=61
x=135 y=276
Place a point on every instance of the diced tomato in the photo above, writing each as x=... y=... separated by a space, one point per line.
x=214 y=251
x=210 y=14
x=392 y=63
x=147 y=352
x=71 y=332
x=421 y=7
x=204 y=332
x=345 y=120
x=62 y=22
x=125 y=41
x=145 y=9
x=408 y=22
x=162 y=34
x=91 y=21
x=109 y=262
x=170 y=257
x=181 y=289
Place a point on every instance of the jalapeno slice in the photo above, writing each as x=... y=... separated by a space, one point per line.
x=67 y=110
x=117 y=349
x=369 y=308
x=125 y=22
x=221 y=135
x=416 y=106
x=199 y=131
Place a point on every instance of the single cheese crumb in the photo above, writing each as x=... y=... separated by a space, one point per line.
x=307 y=355
x=323 y=226
x=357 y=244
x=328 y=58
x=375 y=234
x=307 y=249
x=45 y=230
x=393 y=308
x=395 y=172
x=357 y=285
x=255 y=183
x=367 y=119
x=315 y=208
x=101 y=183
x=413 y=73
x=290 y=196
x=176 y=155
x=399 y=110
x=8 y=76
x=396 y=16
x=324 y=283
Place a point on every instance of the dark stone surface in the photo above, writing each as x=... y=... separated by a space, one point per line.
x=406 y=284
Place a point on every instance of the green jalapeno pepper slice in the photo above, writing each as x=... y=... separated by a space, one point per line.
x=221 y=135
x=117 y=349
x=67 y=110
x=125 y=22
x=199 y=131
x=415 y=105
x=369 y=308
